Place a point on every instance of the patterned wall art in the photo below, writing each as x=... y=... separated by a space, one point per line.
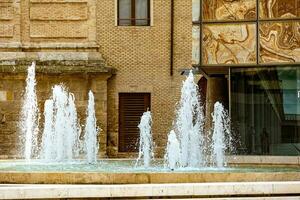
x=279 y=42
x=270 y=9
x=229 y=9
x=229 y=44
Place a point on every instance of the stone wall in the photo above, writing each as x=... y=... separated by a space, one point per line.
x=11 y=92
x=141 y=56
x=61 y=36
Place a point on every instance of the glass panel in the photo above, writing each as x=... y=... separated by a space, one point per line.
x=196 y=45
x=124 y=22
x=141 y=12
x=196 y=10
x=124 y=12
x=265 y=110
x=229 y=44
x=229 y=10
x=279 y=42
x=279 y=8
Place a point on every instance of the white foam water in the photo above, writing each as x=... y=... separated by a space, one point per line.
x=61 y=128
x=29 y=122
x=189 y=125
x=172 y=156
x=91 y=132
x=221 y=137
x=146 y=143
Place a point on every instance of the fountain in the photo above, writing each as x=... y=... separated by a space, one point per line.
x=146 y=143
x=221 y=137
x=91 y=132
x=172 y=156
x=60 y=136
x=29 y=116
x=61 y=127
x=189 y=125
x=185 y=153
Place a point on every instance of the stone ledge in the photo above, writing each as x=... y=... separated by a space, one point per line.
x=31 y=191
x=54 y=62
x=49 y=45
x=56 y=68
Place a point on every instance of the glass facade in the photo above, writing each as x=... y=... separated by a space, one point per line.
x=265 y=110
x=246 y=32
x=257 y=42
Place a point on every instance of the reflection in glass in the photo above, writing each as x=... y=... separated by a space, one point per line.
x=229 y=44
x=196 y=45
x=229 y=9
x=279 y=42
x=265 y=110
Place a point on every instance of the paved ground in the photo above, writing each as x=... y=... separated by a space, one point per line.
x=267 y=190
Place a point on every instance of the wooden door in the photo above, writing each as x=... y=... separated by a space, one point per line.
x=131 y=108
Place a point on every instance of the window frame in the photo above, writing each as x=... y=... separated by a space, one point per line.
x=133 y=14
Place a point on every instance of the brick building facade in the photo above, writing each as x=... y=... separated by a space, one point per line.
x=78 y=43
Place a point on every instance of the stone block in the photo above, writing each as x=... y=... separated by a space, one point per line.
x=6 y=30
x=58 y=29
x=59 y=11
x=6 y=12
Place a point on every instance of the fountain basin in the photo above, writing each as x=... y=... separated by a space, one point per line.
x=120 y=171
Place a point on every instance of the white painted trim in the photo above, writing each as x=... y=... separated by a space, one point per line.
x=151 y=13
x=116 y=12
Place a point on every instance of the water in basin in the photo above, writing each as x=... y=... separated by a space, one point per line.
x=127 y=166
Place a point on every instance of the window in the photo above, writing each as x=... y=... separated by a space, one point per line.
x=265 y=110
x=134 y=12
x=131 y=108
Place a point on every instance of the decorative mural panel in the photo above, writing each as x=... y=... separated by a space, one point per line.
x=279 y=9
x=229 y=9
x=229 y=44
x=279 y=42
x=196 y=45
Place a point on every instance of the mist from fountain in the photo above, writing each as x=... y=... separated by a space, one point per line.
x=61 y=127
x=91 y=131
x=146 y=142
x=189 y=125
x=29 y=116
x=221 y=137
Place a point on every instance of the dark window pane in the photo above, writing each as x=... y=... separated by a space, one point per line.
x=141 y=12
x=124 y=22
x=134 y=12
x=124 y=12
x=141 y=22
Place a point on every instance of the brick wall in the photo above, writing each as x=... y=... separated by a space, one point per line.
x=141 y=56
